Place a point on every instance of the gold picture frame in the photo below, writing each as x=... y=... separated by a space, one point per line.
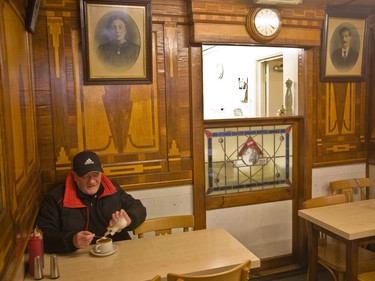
x=344 y=47
x=116 y=41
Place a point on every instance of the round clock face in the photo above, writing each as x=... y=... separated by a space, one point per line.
x=264 y=24
x=267 y=22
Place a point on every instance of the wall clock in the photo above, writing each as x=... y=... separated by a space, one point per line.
x=263 y=24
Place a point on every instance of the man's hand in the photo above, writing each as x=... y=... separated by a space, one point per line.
x=83 y=239
x=118 y=214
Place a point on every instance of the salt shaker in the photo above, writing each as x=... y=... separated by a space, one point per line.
x=38 y=271
x=54 y=267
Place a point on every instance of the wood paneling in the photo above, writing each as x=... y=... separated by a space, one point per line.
x=371 y=94
x=19 y=173
x=141 y=132
x=225 y=22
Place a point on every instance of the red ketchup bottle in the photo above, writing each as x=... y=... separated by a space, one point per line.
x=35 y=248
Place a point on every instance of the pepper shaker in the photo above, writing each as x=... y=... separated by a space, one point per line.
x=54 y=267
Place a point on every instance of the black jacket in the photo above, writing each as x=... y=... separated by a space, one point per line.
x=65 y=211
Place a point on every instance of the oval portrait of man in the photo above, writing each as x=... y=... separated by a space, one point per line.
x=344 y=47
x=117 y=38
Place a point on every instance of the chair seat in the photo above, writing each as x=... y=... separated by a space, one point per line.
x=368 y=276
x=332 y=254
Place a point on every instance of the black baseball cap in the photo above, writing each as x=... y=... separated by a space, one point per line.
x=85 y=162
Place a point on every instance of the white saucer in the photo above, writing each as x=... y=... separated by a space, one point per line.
x=114 y=250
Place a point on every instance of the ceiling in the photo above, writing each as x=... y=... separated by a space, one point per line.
x=356 y=3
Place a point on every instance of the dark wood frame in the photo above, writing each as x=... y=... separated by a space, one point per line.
x=95 y=15
x=32 y=14
x=331 y=71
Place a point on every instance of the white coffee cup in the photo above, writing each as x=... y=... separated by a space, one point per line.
x=104 y=245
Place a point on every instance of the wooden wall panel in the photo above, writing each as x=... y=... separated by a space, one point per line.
x=141 y=132
x=371 y=94
x=20 y=174
x=224 y=22
x=341 y=132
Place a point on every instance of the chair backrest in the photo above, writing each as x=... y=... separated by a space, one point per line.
x=321 y=202
x=238 y=273
x=164 y=225
x=349 y=186
x=156 y=278
x=364 y=185
x=324 y=201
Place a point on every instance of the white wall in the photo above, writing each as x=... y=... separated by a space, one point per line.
x=255 y=226
x=170 y=201
x=322 y=176
x=265 y=229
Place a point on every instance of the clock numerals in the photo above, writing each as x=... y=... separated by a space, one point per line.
x=266 y=30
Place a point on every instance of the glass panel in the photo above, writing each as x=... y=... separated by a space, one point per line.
x=243 y=159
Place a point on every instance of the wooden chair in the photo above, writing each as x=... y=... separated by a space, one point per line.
x=164 y=225
x=349 y=186
x=331 y=252
x=238 y=273
x=156 y=278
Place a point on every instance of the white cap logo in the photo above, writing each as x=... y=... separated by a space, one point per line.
x=89 y=161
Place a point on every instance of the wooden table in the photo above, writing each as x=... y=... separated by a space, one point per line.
x=352 y=223
x=141 y=259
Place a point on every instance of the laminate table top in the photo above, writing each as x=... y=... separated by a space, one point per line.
x=352 y=223
x=207 y=250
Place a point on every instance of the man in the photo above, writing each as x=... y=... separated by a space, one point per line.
x=344 y=57
x=75 y=214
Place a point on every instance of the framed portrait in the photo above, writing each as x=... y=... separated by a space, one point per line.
x=32 y=14
x=344 y=46
x=116 y=41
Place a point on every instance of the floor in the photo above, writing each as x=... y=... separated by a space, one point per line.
x=323 y=275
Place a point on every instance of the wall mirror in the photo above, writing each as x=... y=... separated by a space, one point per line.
x=249 y=81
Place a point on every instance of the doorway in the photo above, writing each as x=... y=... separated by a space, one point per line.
x=270 y=81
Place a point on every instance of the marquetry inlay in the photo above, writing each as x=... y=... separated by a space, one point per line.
x=340 y=110
x=174 y=151
x=54 y=27
x=341 y=148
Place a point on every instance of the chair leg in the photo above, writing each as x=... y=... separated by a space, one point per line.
x=336 y=277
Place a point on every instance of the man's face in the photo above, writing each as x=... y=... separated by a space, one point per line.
x=345 y=39
x=89 y=183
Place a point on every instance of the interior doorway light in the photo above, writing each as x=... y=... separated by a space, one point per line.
x=278 y=2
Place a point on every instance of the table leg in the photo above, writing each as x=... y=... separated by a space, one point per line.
x=351 y=260
x=313 y=240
